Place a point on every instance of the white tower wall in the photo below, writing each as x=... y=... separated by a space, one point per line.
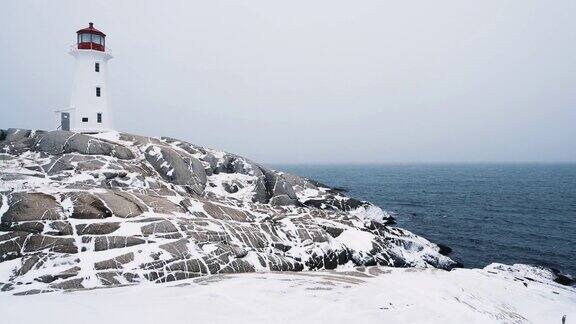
x=84 y=102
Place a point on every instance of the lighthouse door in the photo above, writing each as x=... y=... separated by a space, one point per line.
x=65 y=121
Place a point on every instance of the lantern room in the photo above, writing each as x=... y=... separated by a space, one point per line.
x=91 y=38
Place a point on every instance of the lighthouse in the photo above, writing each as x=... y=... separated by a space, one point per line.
x=89 y=110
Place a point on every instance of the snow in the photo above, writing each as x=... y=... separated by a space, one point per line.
x=370 y=212
x=9 y=267
x=209 y=248
x=523 y=270
x=245 y=183
x=309 y=193
x=3 y=205
x=356 y=240
x=111 y=136
x=195 y=206
x=372 y=295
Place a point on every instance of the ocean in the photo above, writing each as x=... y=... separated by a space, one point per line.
x=508 y=213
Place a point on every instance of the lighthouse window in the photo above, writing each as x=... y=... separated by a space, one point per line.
x=99 y=117
x=97 y=39
x=84 y=119
x=97 y=91
x=85 y=38
x=97 y=67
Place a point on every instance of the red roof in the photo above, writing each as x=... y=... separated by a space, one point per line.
x=90 y=30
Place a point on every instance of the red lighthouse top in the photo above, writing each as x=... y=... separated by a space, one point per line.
x=91 y=38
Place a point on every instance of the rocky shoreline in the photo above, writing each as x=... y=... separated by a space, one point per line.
x=83 y=211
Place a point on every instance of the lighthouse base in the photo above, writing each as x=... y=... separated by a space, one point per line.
x=67 y=120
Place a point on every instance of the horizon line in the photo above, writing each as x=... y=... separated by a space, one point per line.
x=417 y=162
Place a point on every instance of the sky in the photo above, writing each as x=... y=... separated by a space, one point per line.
x=313 y=81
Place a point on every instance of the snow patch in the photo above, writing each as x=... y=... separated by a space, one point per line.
x=4 y=205
x=370 y=212
x=356 y=240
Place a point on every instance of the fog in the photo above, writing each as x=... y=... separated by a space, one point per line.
x=313 y=81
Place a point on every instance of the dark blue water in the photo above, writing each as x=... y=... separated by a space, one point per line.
x=487 y=213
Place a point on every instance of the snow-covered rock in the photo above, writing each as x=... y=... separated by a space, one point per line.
x=85 y=211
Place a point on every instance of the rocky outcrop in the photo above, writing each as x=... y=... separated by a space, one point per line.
x=122 y=204
x=97 y=228
x=35 y=206
x=183 y=171
x=87 y=206
x=17 y=140
x=11 y=245
x=114 y=263
x=60 y=142
x=35 y=243
x=82 y=211
x=279 y=190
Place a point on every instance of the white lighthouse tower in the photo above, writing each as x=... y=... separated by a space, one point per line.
x=89 y=110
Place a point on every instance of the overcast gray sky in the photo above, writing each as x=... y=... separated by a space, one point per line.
x=313 y=81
